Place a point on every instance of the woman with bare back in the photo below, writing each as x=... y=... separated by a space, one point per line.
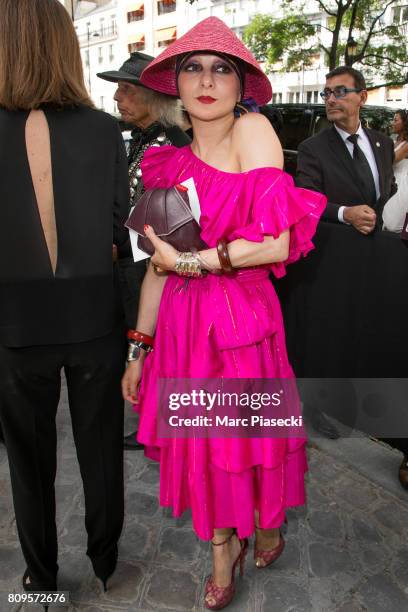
x=63 y=196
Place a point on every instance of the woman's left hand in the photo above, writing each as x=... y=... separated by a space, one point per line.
x=164 y=256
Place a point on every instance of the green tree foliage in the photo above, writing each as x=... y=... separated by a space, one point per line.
x=271 y=39
x=290 y=42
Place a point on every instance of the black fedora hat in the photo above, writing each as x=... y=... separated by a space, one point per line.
x=129 y=71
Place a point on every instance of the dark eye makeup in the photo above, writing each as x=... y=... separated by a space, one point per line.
x=222 y=67
x=195 y=66
x=191 y=66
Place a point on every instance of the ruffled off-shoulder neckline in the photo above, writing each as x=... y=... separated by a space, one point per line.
x=184 y=156
x=242 y=173
x=249 y=205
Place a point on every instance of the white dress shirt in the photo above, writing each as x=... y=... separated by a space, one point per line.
x=365 y=146
x=396 y=208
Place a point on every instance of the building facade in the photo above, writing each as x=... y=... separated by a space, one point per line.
x=108 y=30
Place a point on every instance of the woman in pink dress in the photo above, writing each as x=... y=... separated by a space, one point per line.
x=221 y=326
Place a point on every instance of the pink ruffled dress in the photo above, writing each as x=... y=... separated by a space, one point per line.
x=227 y=327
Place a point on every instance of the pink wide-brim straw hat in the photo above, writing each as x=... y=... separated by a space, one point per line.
x=211 y=34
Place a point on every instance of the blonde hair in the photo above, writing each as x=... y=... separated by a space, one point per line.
x=40 y=60
x=163 y=108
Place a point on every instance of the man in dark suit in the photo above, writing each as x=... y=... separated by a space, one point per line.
x=350 y=164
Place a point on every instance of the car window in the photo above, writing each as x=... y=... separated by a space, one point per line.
x=294 y=129
x=320 y=123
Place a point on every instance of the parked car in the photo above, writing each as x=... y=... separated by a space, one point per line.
x=295 y=122
x=303 y=120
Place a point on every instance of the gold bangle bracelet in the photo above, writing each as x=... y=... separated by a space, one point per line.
x=188 y=264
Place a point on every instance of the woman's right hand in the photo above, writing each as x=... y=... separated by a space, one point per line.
x=131 y=381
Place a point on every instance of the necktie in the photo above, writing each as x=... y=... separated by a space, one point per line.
x=364 y=173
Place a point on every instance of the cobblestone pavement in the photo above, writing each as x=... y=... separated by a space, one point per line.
x=346 y=551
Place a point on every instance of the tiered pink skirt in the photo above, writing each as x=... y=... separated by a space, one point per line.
x=223 y=481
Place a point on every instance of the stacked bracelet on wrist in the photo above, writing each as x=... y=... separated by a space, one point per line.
x=138 y=336
x=223 y=256
x=137 y=342
x=188 y=264
x=205 y=265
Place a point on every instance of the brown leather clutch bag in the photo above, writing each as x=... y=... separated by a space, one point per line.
x=169 y=214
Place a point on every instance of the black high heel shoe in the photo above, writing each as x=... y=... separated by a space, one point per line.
x=30 y=586
x=104 y=581
x=104 y=569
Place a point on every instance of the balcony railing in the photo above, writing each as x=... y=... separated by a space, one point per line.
x=98 y=35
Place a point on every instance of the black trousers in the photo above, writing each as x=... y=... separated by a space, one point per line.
x=30 y=382
x=131 y=276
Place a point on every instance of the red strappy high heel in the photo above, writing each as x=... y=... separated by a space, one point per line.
x=224 y=595
x=263 y=558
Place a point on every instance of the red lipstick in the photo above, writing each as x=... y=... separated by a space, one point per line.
x=206 y=99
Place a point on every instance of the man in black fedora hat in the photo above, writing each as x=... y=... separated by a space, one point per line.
x=157 y=120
